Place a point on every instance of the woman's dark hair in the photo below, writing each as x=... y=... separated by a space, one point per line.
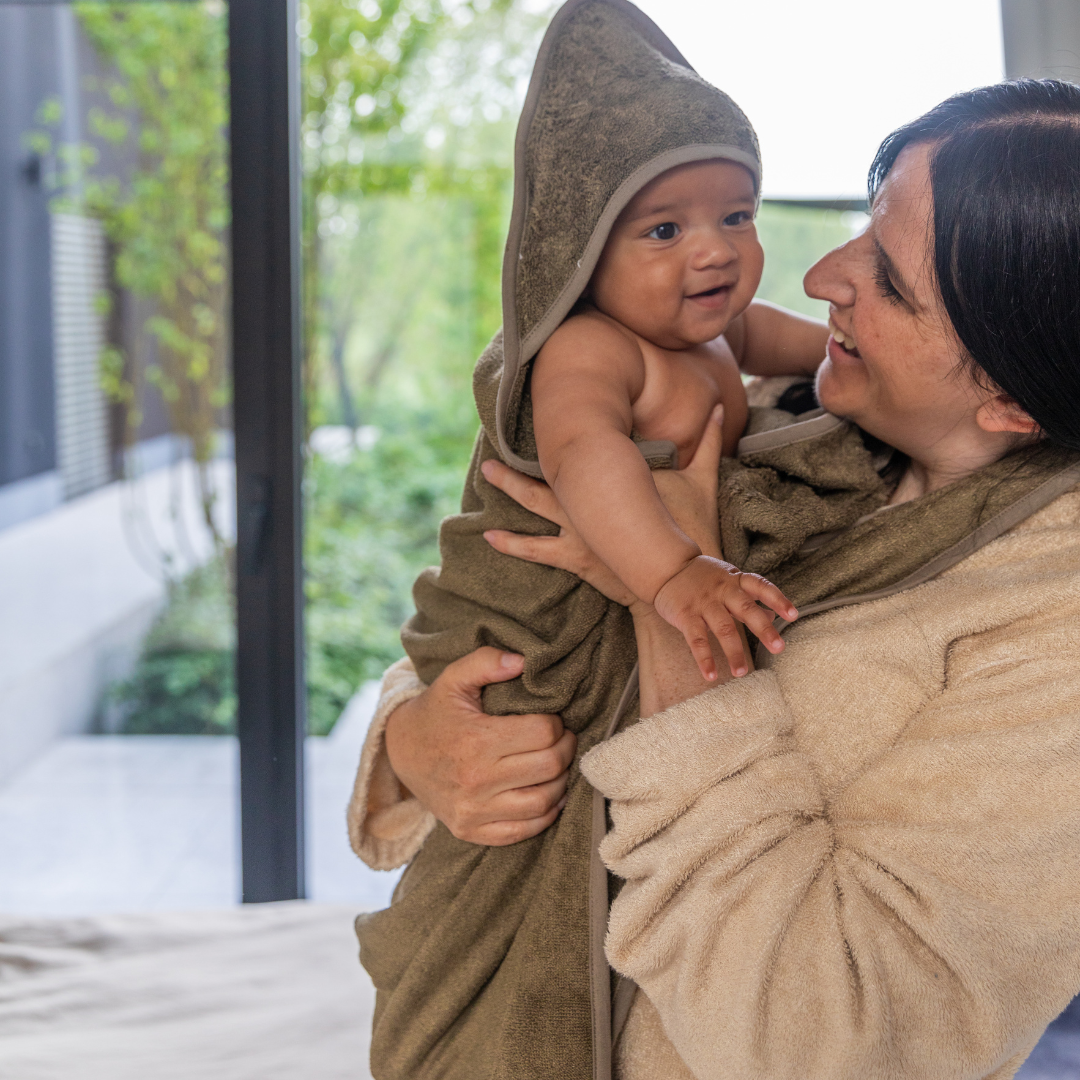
x=1005 y=177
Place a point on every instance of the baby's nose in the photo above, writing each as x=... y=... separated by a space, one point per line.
x=715 y=249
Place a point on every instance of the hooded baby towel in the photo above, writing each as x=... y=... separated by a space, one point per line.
x=483 y=962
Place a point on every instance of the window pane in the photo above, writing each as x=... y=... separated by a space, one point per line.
x=117 y=759
x=409 y=116
x=794 y=238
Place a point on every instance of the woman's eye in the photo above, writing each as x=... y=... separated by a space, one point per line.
x=668 y=231
x=740 y=217
x=885 y=285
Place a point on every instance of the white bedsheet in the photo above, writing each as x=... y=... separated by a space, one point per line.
x=253 y=993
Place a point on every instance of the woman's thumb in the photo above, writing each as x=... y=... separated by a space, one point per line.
x=481 y=667
x=707 y=455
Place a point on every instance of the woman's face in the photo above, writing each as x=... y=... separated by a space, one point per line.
x=892 y=361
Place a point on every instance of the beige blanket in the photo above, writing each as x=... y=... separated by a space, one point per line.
x=267 y=992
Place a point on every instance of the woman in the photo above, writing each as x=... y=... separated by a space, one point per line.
x=864 y=860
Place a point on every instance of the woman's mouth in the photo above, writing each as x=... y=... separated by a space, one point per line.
x=845 y=341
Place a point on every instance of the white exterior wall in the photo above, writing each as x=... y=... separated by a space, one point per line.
x=79 y=588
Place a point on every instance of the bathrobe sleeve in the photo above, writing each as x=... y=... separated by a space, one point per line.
x=386 y=828
x=919 y=918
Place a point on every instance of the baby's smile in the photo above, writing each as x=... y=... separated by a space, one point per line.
x=715 y=297
x=683 y=258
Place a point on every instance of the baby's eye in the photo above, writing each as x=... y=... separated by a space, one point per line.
x=667 y=231
x=740 y=217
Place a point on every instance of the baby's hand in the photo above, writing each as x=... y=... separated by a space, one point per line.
x=708 y=594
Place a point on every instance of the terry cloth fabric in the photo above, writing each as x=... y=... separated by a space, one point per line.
x=482 y=962
x=862 y=862
x=489 y=962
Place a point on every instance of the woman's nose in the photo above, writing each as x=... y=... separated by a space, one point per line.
x=831 y=278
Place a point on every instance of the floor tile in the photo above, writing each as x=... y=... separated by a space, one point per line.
x=142 y=822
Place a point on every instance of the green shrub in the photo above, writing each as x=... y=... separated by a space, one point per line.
x=371 y=526
x=181 y=692
x=184 y=683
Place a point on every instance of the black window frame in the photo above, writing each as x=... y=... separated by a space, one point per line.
x=264 y=80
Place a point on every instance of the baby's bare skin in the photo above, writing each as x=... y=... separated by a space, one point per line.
x=680 y=389
x=679 y=270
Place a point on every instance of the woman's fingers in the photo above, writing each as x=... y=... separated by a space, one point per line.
x=503 y=833
x=549 y=550
x=706 y=458
x=480 y=668
x=532 y=767
x=519 y=810
x=567 y=551
x=459 y=762
x=534 y=495
x=528 y=803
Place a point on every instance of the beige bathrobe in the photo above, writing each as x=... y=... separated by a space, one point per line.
x=862 y=862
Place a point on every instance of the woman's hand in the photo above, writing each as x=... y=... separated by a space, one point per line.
x=489 y=779
x=690 y=494
x=567 y=551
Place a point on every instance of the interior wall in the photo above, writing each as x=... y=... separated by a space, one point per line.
x=1041 y=38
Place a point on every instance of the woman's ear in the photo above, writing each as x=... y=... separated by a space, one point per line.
x=1001 y=413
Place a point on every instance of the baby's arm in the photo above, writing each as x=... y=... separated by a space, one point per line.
x=584 y=383
x=770 y=340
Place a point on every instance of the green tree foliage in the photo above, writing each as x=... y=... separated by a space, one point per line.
x=354 y=55
x=409 y=199
x=794 y=238
x=372 y=525
x=162 y=121
x=409 y=109
x=408 y=115
x=411 y=99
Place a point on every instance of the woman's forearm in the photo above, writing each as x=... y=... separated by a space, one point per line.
x=668 y=673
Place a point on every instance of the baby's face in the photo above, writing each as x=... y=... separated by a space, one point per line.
x=683 y=259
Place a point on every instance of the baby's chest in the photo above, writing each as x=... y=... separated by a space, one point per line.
x=678 y=397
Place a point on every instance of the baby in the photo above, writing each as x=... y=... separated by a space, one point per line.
x=679 y=270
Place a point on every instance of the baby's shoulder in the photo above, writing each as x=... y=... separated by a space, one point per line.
x=591 y=339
